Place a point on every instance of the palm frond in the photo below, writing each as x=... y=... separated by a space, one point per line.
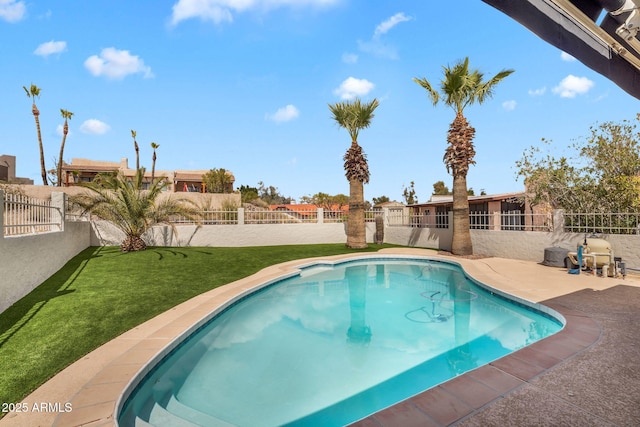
x=114 y=198
x=354 y=115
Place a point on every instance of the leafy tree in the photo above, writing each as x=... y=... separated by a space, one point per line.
x=115 y=198
x=327 y=201
x=355 y=116
x=380 y=200
x=461 y=87
x=271 y=195
x=217 y=181
x=248 y=194
x=341 y=200
x=34 y=92
x=66 y=115
x=409 y=194
x=440 y=189
x=603 y=177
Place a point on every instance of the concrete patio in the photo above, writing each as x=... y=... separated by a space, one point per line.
x=588 y=374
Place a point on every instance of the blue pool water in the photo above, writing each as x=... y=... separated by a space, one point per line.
x=332 y=345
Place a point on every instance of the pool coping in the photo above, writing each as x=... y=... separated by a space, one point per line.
x=93 y=384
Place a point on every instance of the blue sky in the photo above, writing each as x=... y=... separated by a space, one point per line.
x=244 y=85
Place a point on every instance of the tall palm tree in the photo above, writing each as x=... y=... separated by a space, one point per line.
x=34 y=92
x=460 y=88
x=66 y=115
x=153 y=165
x=135 y=145
x=354 y=116
x=115 y=198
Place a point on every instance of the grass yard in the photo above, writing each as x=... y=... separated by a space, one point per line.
x=102 y=293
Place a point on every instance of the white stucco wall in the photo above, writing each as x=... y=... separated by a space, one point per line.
x=103 y=233
x=530 y=245
x=27 y=261
x=524 y=245
x=433 y=238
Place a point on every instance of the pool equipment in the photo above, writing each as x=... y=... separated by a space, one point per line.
x=596 y=254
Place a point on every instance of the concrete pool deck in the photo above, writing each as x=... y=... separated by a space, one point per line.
x=587 y=374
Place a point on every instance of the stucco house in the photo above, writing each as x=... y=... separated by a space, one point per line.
x=8 y=171
x=505 y=211
x=85 y=170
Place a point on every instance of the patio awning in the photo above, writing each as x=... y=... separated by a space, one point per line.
x=599 y=33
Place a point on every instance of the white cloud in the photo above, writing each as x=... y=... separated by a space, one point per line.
x=509 y=105
x=352 y=88
x=538 y=92
x=49 y=48
x=376 y=46
x=566 y=57
x=284 y=114
x=571 y=86
x=387 y=25
x=218 y=11
x=349 y=58
x=12 y=10
x=116 y=64
x=94 y=127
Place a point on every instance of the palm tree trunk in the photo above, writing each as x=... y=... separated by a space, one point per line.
x=153 y=167
x=356 y=228
x=461 y=243
x=64 y=139
x=43 y=169
x=135 y=145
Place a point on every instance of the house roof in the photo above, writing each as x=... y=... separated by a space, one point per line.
x=392 y=204
x=438 y=200
x=97 y=166
x=305 y=208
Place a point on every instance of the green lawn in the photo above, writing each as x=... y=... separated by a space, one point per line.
x=102 y=293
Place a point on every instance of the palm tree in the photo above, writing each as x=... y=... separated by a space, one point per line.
x=135 y=145
x=34 y=92
x=66 y=115
x=123 y=202
x=153 y=165
x=354 y=116
x=461 y=87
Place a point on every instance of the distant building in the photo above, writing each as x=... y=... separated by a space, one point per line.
x=8 y=171
x=308 y=208
x=481 y=208
x=85 y=170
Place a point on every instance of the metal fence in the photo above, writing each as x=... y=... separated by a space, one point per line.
x=607 y=223
x=511 y=221
x=514 y=220
x=280 y=216
x=255 y=216
x=405 y=219
x=26 y=215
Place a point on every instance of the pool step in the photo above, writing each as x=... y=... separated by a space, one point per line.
x=167 y=411
x=178 y=408
x=161 y=417
x=139 y=422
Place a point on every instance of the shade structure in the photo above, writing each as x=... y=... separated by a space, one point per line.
x=599 y=33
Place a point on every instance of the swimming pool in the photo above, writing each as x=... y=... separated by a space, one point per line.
x=333 y=344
